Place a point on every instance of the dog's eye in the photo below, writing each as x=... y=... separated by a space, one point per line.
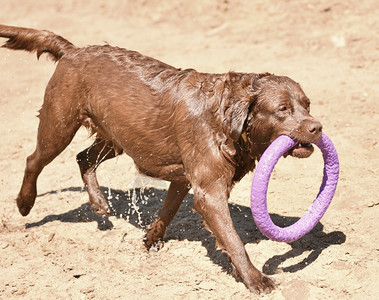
x=308 y=106
x=283 y=108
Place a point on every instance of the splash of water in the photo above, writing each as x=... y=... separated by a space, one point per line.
x=109 y=184
x=133 y=190
x=134 y=197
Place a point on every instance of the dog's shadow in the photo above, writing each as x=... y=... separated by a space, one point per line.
x=140 y=207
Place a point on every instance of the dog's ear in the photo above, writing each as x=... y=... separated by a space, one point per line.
x=240 y=93
x=238 y=115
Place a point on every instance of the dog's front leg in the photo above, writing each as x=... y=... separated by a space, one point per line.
x=211 y=202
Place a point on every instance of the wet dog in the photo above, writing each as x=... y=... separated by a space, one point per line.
x=196 y=130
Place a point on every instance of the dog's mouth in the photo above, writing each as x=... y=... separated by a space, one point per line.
x=300 y=150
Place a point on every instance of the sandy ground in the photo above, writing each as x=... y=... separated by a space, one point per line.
x=62 y=250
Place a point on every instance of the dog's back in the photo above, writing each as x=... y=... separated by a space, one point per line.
x=122 y=96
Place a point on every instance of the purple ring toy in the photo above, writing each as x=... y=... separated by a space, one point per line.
x=261 y=178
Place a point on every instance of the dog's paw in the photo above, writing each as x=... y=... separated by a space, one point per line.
x=101 y=208
x=153 y=245
x=263 y=284
x=24 y=206
x=156 y=246
x=151 y=241
x=102 y=211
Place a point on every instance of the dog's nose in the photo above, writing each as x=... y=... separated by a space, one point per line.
x=314 y=127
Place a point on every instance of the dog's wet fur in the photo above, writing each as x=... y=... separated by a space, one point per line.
x=197 y=130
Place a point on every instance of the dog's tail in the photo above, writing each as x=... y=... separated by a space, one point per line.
x=32 y=40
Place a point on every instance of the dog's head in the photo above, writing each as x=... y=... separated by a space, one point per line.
x=265 y=106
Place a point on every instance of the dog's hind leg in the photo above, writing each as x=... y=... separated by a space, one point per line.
x=58 y=125
x=175 y=195
x=88 y=160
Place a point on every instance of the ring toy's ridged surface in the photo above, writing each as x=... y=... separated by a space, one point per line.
x=258 y=199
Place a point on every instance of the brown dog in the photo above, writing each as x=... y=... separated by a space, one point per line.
x=196 y=130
